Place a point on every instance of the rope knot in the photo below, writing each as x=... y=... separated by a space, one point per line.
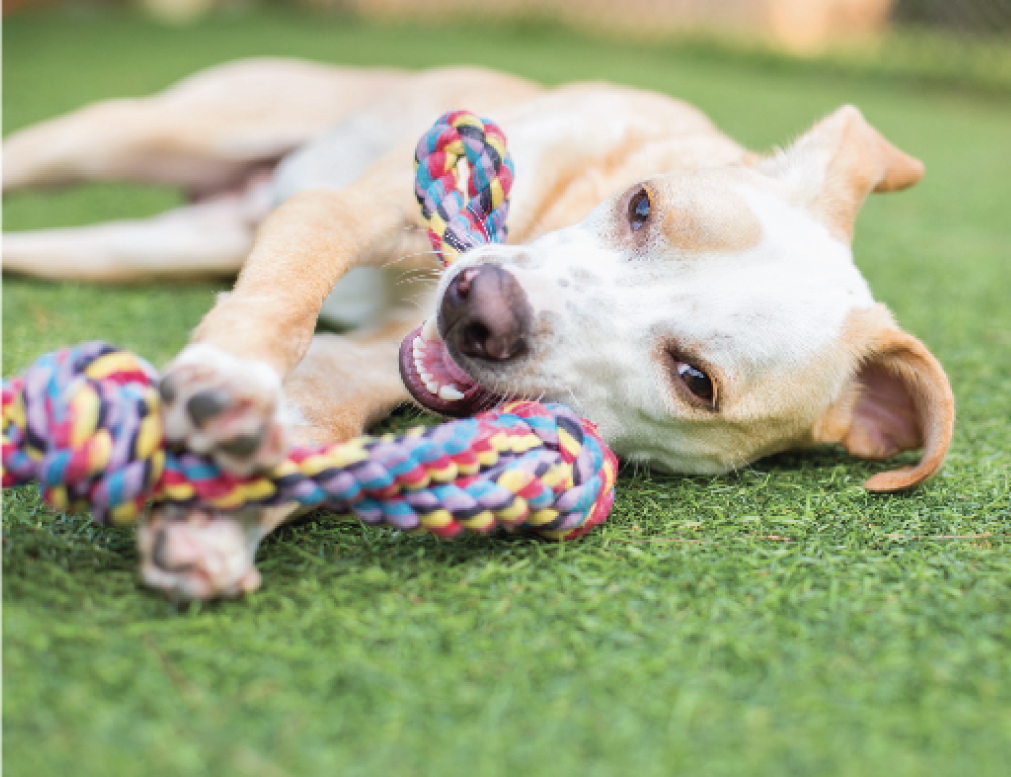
x=456 y=223
x=84 y=423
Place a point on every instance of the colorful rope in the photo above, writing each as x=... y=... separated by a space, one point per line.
x=85 y=422
x=456 y=224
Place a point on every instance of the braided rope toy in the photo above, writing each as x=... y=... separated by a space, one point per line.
x=455 y=224
x=85 y=423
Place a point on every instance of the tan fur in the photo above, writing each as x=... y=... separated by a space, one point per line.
x=859 y=332
x=699 y=220
x=344 y=384
x=582 y=166
x=854 y=159
x=877 y=342
x=201 y=134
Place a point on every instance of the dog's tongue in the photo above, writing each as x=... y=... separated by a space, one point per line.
x=456 y=373
x=435 y=380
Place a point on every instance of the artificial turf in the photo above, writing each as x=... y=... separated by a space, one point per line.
x=776 y=621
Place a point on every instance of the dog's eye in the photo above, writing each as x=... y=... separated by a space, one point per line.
x=697 y=382
x=638 y=209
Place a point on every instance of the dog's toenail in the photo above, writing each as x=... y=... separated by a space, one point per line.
x=159 y=555
x=158 y=551
x=242 y=446
x=204 y=405
x=167 y=389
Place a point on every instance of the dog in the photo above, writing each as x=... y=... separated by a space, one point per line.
x=697 y=301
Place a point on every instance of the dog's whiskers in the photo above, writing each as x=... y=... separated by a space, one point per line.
x=391 y=262
x=422 y=308
x=417 y=278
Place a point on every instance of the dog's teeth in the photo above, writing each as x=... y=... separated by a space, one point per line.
x=450 y=393
x=429 y=330
x=418 y=346
x=432 y=386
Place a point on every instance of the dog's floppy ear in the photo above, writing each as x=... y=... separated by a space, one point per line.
x=834 y=166
x=899 y=399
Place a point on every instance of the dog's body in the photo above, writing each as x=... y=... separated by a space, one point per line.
x=697 y=301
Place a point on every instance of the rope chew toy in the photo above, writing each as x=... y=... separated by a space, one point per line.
x=456 y=224
x=85 y=424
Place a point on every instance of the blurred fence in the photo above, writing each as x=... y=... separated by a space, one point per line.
x=958 y=40
x=955 y=41
x=966 y=42
x=957 y=16
x=796 y=25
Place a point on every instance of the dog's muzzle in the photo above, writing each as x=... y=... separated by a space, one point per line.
x=483 y=317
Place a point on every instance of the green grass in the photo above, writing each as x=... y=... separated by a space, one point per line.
x=678 y=639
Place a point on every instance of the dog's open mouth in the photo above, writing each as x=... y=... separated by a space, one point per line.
x=436 y=381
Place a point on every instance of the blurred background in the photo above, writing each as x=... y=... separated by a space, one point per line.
x=960 y=41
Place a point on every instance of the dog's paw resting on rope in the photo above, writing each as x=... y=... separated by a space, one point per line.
x=223 y=407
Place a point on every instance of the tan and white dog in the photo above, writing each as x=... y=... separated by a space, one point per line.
x=699 y=302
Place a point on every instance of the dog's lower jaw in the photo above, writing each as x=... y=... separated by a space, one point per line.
x=467 y=395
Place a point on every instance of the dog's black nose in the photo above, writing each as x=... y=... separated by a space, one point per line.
x=485 y=314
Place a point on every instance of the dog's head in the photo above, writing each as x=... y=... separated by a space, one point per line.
x=703 y=319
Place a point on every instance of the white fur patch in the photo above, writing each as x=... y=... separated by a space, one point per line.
x=748 y=315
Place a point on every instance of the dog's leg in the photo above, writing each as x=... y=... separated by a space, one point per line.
x=211 y=238
x=194 y=554
x=223 y=392
x=344 y=383
x=204 y=134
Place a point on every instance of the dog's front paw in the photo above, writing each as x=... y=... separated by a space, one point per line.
x=193 y=554
x=224 y=407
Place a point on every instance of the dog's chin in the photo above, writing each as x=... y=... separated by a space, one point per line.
x=436 y=381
